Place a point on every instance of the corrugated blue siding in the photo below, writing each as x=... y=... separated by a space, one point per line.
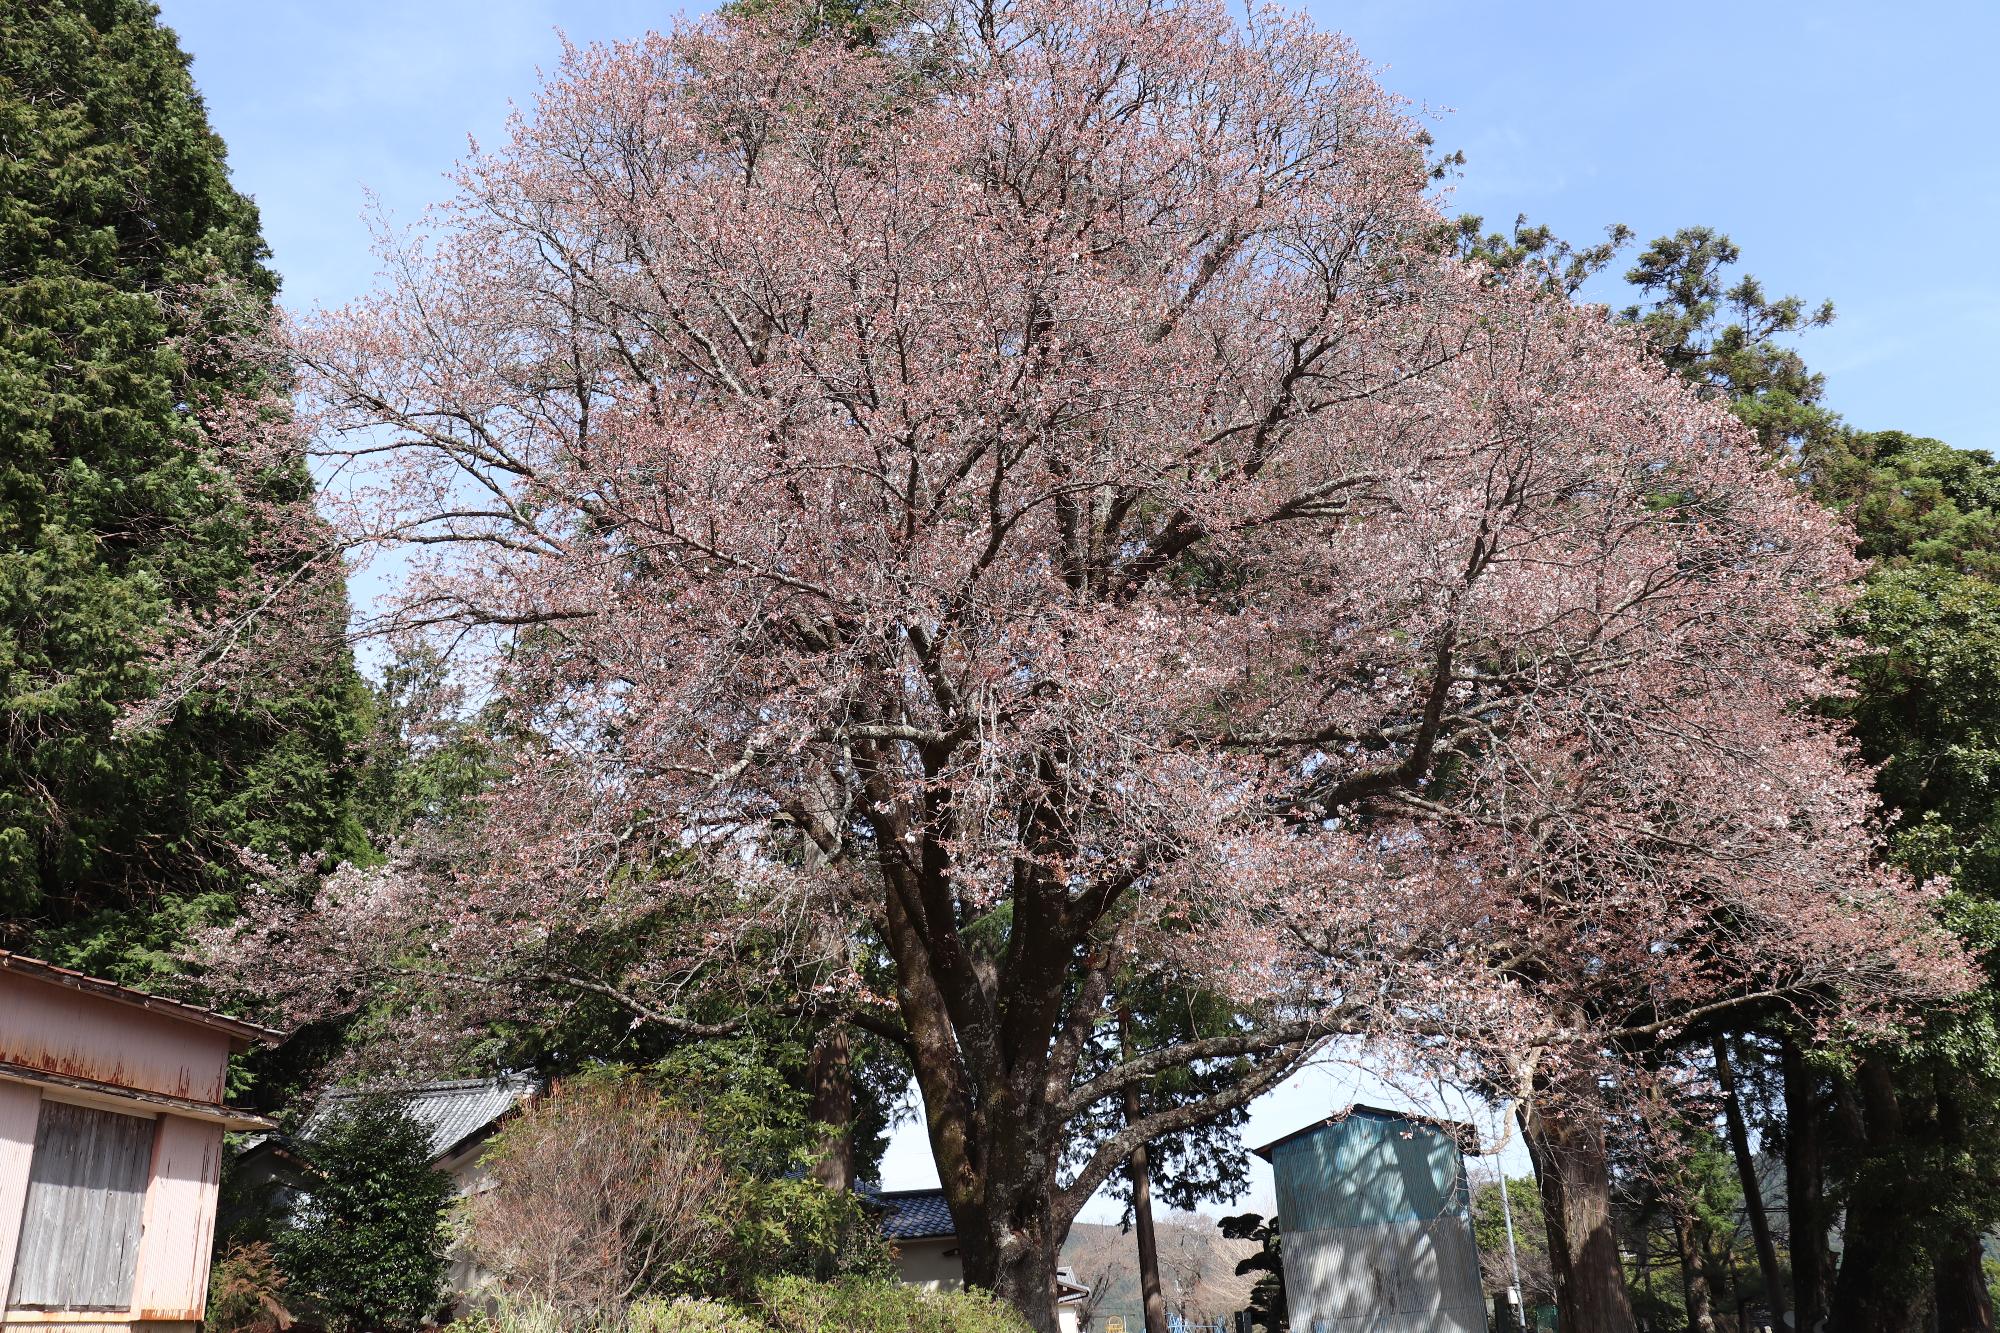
x=1364 y=1171
x=1377 y=1229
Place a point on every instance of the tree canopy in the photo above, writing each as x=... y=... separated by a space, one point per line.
x=973 y=538
x=1014 y=543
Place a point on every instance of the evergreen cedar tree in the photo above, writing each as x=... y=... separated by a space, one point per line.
x=146 y=492
x=367 y=1241
x=1906 y=1131
x=1029 y=509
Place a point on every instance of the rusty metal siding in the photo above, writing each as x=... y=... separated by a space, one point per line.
x=1378 y=1234
x=79 y=1247
x=180 y=1218
x=62 y=1031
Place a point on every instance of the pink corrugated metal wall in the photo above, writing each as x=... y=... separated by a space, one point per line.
x=180 y=1219
x=61 y=1031
x=20 y=1111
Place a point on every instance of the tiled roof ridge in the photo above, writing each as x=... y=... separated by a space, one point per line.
x=441 y=1085
x=914 y=1214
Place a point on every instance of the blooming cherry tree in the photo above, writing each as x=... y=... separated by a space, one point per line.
x=1036 y=501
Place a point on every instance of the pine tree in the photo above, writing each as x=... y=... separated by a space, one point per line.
x=1912 y=1126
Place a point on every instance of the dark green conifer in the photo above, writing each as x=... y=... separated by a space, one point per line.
x=127 y=264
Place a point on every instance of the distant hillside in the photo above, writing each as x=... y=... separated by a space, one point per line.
x=1197 y=1269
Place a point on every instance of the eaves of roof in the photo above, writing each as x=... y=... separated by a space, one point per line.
x=242 y=1029
x=1460 y=1133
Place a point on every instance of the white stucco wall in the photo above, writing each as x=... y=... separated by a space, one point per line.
x=934 y=1266
x=930 y=1264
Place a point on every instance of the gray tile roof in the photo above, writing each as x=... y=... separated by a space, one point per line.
x=453 y=1112
x=912 y=1214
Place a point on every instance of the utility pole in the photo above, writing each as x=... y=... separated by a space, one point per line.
x=1513 y=1259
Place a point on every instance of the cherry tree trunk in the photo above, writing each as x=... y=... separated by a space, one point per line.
x=1027 y=1281
x=997 y=1153
x=1574 y=1174
x=1010 y=1248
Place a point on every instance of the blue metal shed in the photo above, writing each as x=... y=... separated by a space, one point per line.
x=1376 y=1214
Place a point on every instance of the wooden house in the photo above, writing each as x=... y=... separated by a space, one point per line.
x=111 y=1125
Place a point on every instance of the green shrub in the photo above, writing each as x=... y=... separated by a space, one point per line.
x=799 y=1228
x=969 y=1312
x=475 y=1321
x=781 y=1223
x=786 y=1305
x=649 y=1314
x=528 y=1316
x=794 y=1305
x=689 y=1316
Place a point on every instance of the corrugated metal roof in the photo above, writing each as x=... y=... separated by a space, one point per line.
x=912 y=1214
x=160 y=1004
x=452 y=1111
x=1462 y=1134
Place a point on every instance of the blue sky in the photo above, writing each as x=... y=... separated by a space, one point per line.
x=1852 y=150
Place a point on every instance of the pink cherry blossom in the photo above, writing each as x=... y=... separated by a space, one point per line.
x=1047 y=463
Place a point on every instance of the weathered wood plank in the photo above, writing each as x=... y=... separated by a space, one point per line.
x=80 y=1229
